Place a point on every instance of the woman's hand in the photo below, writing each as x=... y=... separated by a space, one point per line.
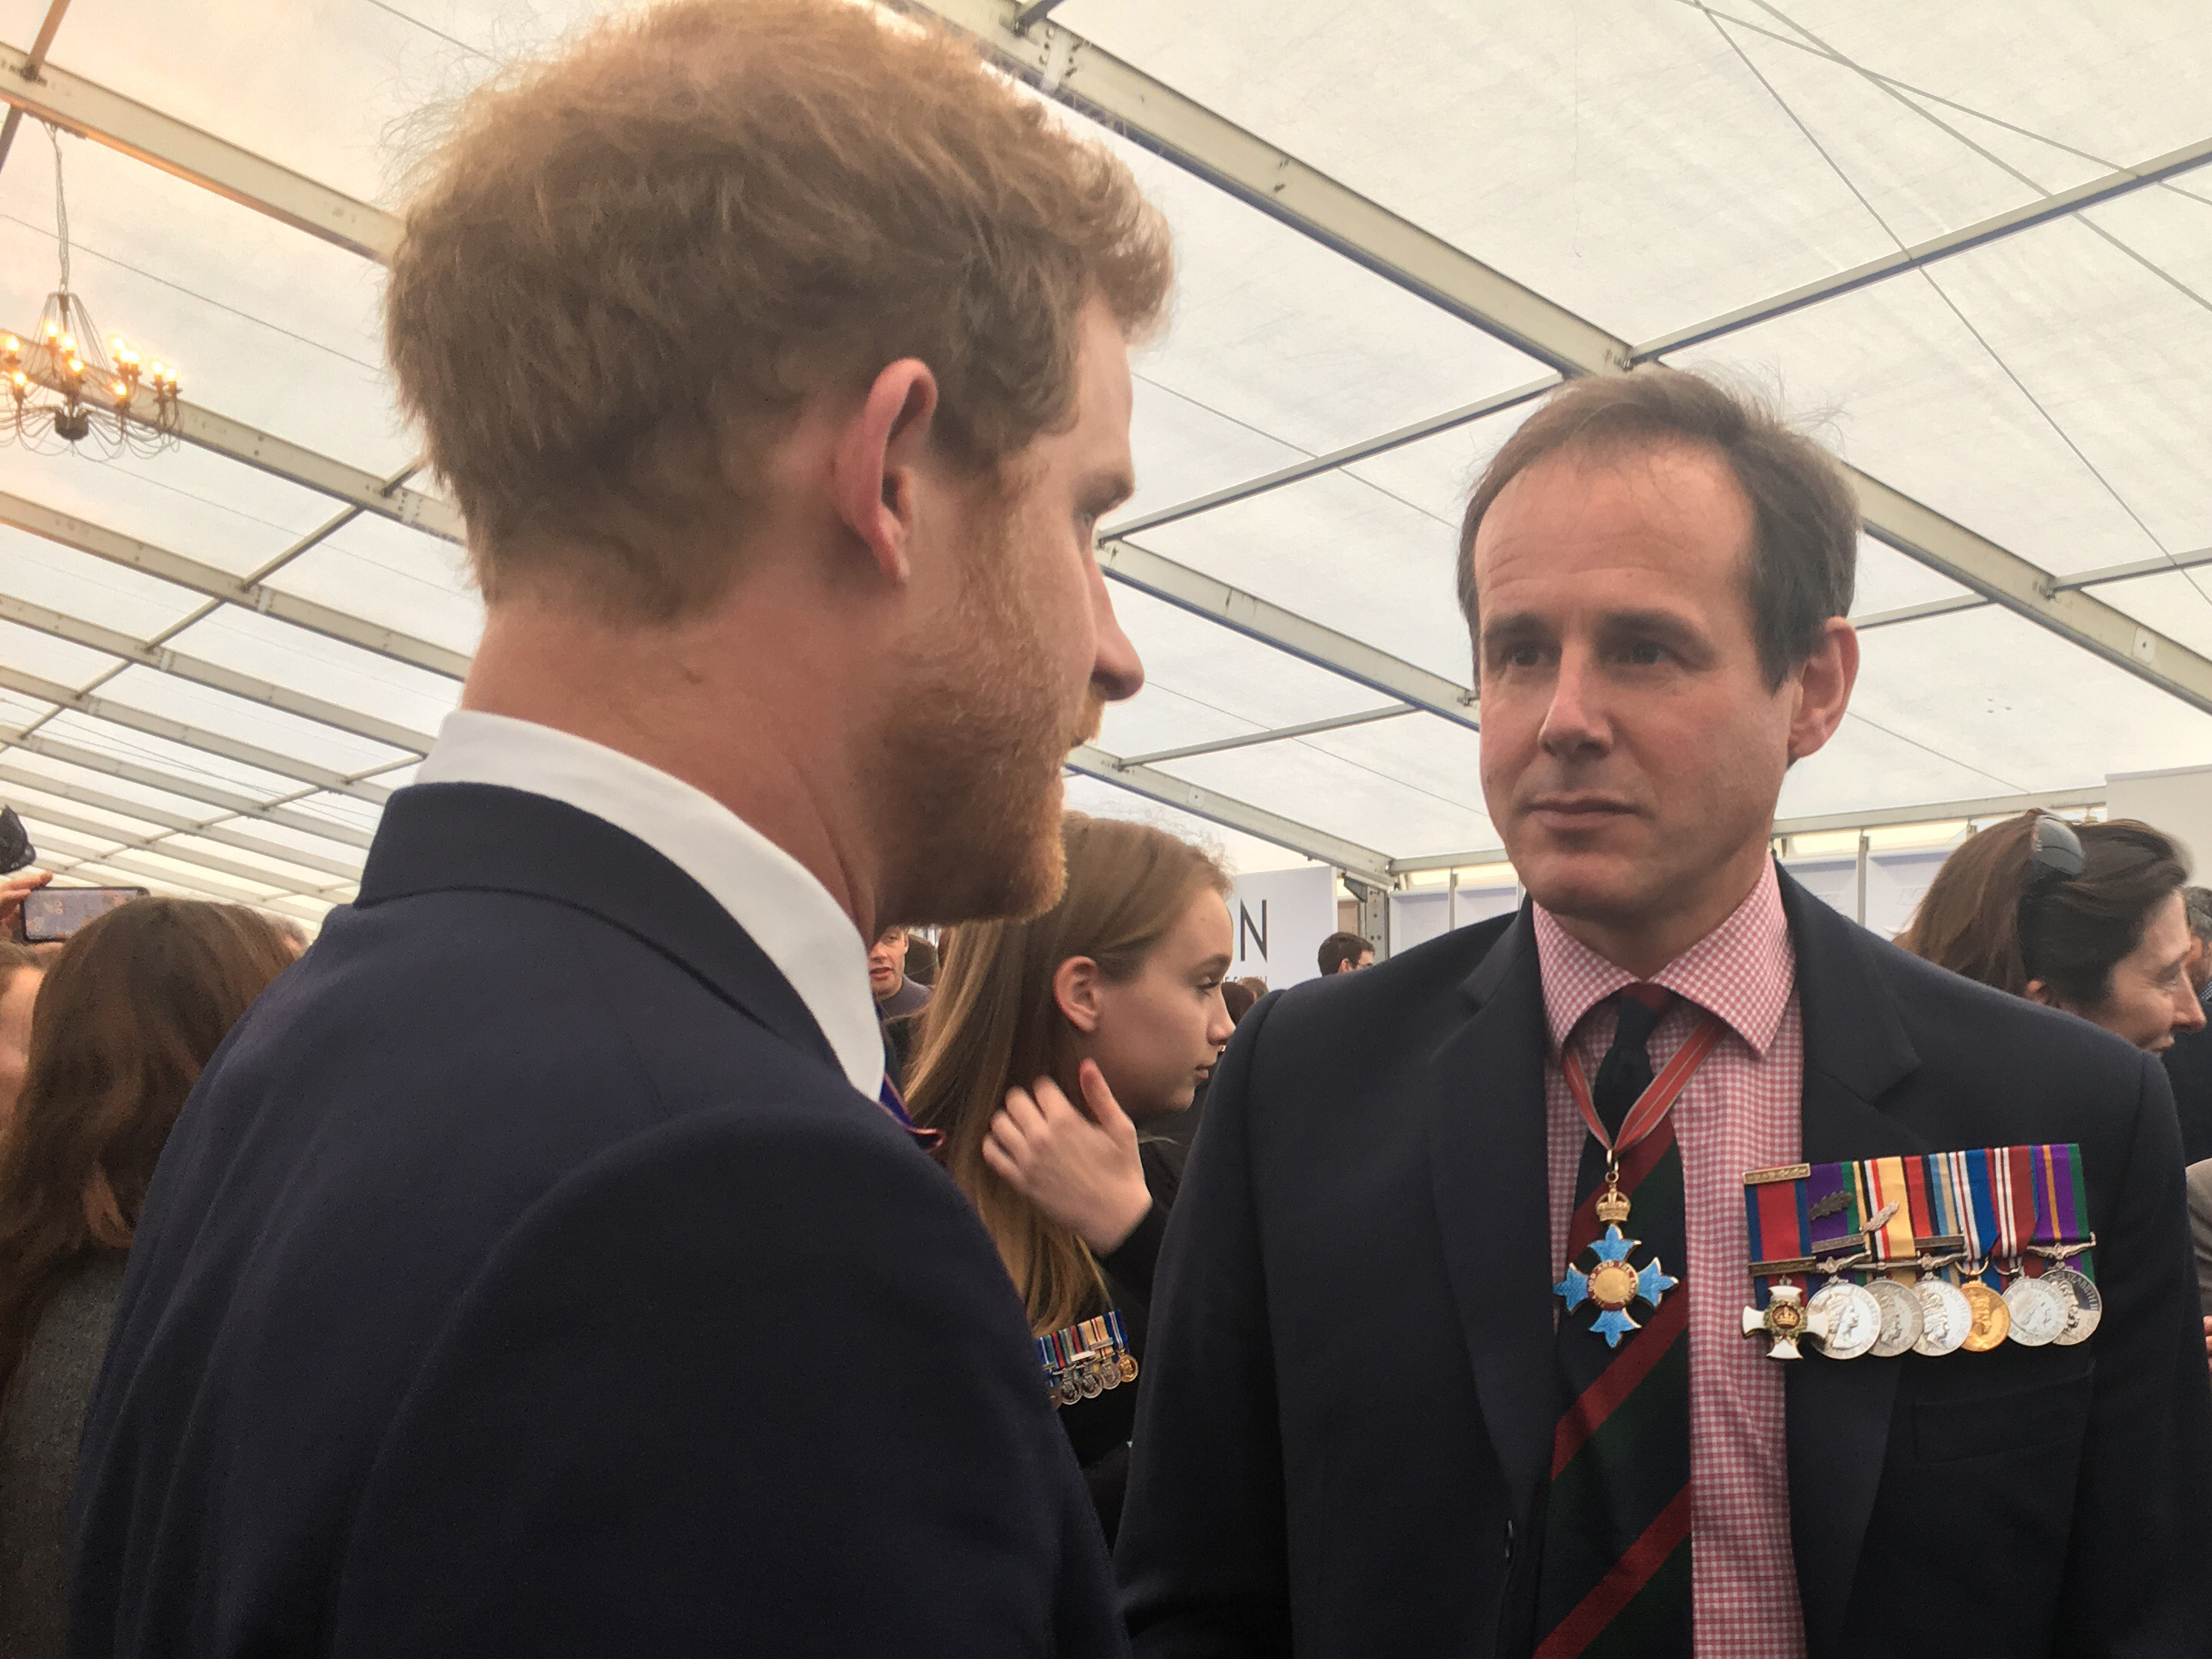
x=1080 y=1168
x=13 y=891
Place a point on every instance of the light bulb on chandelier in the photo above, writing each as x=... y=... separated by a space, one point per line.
x=63 y=389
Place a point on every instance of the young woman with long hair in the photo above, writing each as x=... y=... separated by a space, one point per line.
x=130 y=1011
x=1048 y=1048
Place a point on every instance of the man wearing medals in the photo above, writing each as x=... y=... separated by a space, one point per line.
x=1673 y=1268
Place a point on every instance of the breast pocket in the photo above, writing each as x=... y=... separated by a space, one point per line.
x=2035 y=1416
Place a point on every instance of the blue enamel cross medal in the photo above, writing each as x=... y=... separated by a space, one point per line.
x=1613 y=1284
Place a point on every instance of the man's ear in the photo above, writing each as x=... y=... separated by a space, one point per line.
x=2037 y=991
x=1824 y=687
x=1075 y=986
x=875 y=462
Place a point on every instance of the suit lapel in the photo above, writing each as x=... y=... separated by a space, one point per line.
x=1838 y=1415
x=1487 y=1173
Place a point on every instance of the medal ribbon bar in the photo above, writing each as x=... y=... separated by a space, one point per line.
x=1778 y=1231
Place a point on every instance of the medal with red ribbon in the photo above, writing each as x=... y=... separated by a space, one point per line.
x=1610 y=1281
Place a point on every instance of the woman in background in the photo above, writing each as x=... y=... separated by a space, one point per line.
x=2084 y=917
x=1049 y=1047
x=131 y=1010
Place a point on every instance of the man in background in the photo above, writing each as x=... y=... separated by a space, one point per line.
x=899 y=997
x=1345 y=953
x=2189 y=1058
x=543 y=1267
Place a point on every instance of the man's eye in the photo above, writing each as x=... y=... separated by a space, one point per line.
x=1523 y=656
x=1645 y=654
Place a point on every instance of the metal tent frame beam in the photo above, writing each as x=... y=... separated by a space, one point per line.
x=1363 y=863
x=278 y=457
x=1271 y=624
x=71 y=824
x=1067 y=67
x=135 y=870
x=183 y=788
x=208 y=742
x=2163 y=565
x=1277 y=734
x=69 y=101
x=162 y=660
x=178 y=822
x=82 y=535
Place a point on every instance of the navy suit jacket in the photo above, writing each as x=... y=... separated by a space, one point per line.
x=1350 y=1395
x=524 y=1277
x=2188 y=1070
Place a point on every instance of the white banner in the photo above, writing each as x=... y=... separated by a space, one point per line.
x=1280 y=917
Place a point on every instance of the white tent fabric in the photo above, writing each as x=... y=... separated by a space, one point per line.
x=1650 y=165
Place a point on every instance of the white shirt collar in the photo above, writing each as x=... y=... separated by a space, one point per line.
x=774 y=897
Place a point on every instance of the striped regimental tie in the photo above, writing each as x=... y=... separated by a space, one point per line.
x=1615 y=1578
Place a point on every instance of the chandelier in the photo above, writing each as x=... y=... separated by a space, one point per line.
x=63 y=388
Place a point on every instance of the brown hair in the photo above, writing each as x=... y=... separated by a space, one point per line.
x=1805 y=520
x=2081 y=928
x=1340 y=948
x=129 y=1013
x=1238 y=997
x=632 y=264
x=993 y=1025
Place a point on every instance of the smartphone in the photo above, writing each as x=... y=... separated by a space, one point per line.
x=55 y=913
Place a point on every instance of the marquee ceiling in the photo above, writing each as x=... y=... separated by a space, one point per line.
x=1973 y=245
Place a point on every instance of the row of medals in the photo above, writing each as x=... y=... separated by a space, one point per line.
x=1090 y=1377
x=1933 y=1317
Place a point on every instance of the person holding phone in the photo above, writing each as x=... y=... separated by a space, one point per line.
x=1051 y=1049
x=135 y=1004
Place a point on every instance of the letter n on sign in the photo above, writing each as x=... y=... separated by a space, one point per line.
x=1247 y=930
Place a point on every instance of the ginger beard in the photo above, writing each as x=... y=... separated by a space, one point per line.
x=967 y=773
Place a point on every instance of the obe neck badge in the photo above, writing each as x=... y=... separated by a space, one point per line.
x=1601 y=1275
x=1613 y=1284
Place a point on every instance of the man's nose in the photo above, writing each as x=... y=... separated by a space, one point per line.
x=1116 y=673
x=1575 y=718
x=2188 y=1011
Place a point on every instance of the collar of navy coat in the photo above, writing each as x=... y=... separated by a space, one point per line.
x=481 y=838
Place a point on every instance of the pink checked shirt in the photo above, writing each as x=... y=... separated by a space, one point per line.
x=1739 y=1112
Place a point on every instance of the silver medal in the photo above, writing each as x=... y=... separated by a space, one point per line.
x=2088 y=1307
x=2039 y=1311
x=1947 y=1320
x=1853 y=1320
x=1901 y=1317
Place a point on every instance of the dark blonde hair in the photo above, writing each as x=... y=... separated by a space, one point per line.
x=1805 y=520
x=129 y=1014
x=632 y=264
x=1969 y=919
x=993 y=1024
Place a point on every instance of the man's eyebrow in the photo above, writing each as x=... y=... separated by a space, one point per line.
x=1518 y=623
x=1646 y=622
